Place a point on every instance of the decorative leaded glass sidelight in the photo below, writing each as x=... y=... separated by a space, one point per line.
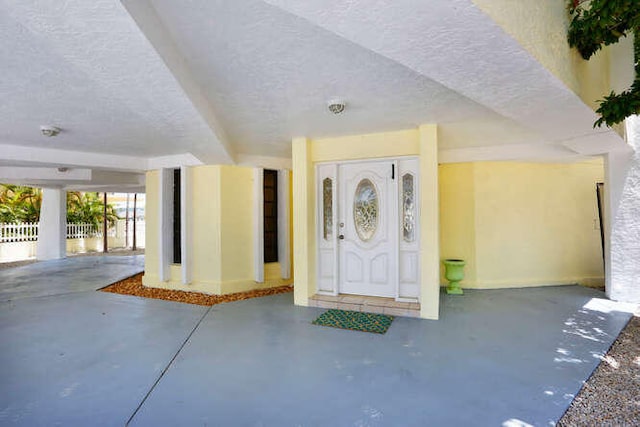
x=365 y=209
x=408 y=208
x=327 y=209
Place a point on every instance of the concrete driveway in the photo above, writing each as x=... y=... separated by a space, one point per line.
x=68 y=275
x=508 y=357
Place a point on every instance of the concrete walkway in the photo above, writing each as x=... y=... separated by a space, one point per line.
x=495 y=358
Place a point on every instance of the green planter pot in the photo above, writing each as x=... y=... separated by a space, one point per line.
x=454 y=273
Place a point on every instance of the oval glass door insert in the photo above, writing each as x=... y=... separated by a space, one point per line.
x=365 y=209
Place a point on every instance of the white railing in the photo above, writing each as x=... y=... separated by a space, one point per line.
x=19 y=232
x=28 y=231
x=81 y=231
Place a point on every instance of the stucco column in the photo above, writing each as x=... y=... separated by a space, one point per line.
x=186 y=230
x=303 y=222
x=52 y=233
x=429 y=223
x=623 y=252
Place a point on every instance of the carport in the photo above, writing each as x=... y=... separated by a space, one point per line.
x=73 y=356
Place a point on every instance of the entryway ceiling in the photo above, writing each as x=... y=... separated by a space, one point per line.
x=141 y=84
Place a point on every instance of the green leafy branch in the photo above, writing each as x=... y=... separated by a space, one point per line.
x=603 y=23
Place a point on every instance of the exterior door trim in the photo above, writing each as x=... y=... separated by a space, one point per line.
x=406 y=256
x=284 y=224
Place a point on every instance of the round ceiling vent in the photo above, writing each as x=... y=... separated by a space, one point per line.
x=336 y=106
x=49 y=131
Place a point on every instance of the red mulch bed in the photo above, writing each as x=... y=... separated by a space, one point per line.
x=133 y=286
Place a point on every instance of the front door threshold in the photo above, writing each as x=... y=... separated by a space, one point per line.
x=366 y=304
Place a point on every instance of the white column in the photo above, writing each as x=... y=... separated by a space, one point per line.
x=165 y=222
x=52 y=233
x=623 y=231
x=185 y=224
x=258 y=225
x=284 y=224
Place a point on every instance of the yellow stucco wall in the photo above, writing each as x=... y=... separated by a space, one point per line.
x=457 y=215
x=368 y=146
x=205 y=216
x=221 y=217
x=421 y=142
x=524 y=224
x=236 y=200
x=541 y=28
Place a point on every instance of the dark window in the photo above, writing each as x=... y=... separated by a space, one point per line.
x=176 y=218
x=270 y=197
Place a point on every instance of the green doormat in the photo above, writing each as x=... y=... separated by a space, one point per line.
x=354 y=320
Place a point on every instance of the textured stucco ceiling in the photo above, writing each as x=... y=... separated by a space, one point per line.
x=156 y=83
x=456 y=44
x=87 y=68
x=270 y=74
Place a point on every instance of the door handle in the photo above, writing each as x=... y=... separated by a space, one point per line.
x=341 y=237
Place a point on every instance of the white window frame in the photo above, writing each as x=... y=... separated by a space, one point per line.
x=284 y=223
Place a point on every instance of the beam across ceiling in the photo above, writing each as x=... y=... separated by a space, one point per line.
x=73 y=178
x=147 y=19
x=19 y=155
x=22 y=174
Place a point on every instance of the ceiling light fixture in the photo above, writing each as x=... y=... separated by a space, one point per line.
x=336 y=106
x=49 y=131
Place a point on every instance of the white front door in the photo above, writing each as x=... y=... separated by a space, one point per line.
x=367 y=228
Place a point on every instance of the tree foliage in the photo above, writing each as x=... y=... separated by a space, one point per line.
x=602 y=23
x=22 y=204
x=19 y=204
x=88 y=208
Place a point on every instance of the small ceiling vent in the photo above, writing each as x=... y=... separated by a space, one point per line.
x=49 y=131
x=336 y=106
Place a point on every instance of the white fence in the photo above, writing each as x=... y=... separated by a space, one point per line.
x=22 y=232
x=81 y=231
x=18 y=241
x=28 y=232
